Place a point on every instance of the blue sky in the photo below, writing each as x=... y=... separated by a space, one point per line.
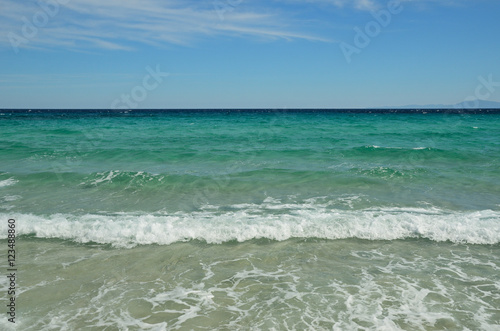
x=247 y=53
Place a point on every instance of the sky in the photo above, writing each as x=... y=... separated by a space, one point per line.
x=133 y=54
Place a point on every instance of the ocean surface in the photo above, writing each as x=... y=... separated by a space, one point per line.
x=252 y=220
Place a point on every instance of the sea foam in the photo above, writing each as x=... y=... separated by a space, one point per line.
x=8 y=182
x=252 y=221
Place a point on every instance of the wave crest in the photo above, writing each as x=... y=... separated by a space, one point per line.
x=248 y=222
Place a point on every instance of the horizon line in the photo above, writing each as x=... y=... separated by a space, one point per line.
x=240 y=109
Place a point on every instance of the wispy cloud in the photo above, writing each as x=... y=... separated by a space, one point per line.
x=124 y=24
x=356 y=4
x=87 y=25
x=371 y=5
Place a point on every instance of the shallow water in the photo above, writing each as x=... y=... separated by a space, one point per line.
x=260 y=284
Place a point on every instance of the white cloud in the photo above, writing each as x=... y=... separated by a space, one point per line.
x=371 y=5
x=86 y=25
x=357 y=4
x=124 y=24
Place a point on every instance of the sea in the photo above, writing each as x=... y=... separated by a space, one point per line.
x=241 y=219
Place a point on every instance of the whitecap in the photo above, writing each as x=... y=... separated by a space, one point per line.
x=8 y=182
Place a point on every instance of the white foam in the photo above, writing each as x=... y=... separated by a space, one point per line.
x=10 y=198
x=380 y=147
x=8 y=182
x=269 y=220
x=104 y=177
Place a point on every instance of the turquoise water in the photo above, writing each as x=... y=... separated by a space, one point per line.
x=253 y=219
